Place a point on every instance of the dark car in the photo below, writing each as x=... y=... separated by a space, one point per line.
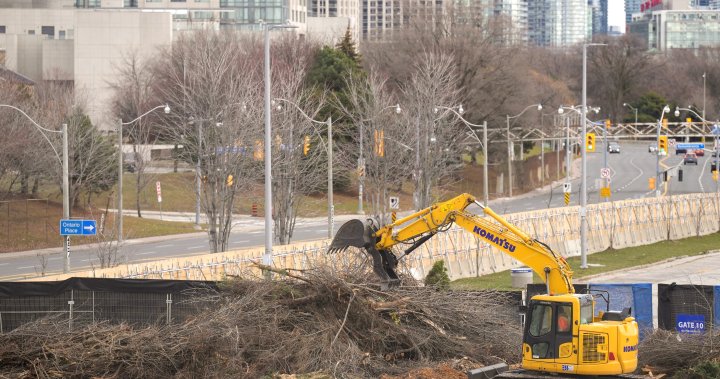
x=690 y=158
x=613 y=147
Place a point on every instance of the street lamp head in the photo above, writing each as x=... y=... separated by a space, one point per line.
x=398 y=109
x=539 y=107
x=596 y=110
x=677 y=112
x=460 y=109
x=244 y=107
x=561 y=110
x=433 y=139
x=666 y=109
x=435 y=110
x=167 y=109
x=624 y=104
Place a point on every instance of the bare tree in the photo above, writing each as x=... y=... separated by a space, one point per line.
x=616 y=73
x=372 y=108
x=133 y=97
x=212 y=82
x=300 y=155
x=434 y=81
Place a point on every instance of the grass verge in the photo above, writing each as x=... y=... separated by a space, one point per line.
x=608 y=260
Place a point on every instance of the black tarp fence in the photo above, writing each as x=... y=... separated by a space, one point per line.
x=83 y=300
x=686 y=308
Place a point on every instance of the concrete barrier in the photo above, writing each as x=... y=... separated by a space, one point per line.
x=616 y=224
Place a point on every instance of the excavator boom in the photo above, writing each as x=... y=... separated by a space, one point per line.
x=420 y=226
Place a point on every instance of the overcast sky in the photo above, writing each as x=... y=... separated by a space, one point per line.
x=616 y=14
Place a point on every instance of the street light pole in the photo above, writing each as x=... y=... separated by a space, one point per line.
x=120 y=183
x=331 y=205
x=510 y=155
x=65 y=174
x=459 y=113
x=703 y=115
x=510 y=144
x=166 y=108
x=66 y=197
x=634 y=109
x=583 y=185
x=198 y=176
x=267 y=256
x=657 y=154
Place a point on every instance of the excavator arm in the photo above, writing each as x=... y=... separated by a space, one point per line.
x=420 y=226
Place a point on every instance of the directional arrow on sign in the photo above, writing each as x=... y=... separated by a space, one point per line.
x=89 y=228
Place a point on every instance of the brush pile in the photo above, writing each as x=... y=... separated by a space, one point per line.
x=305 y=322
x=666 y=351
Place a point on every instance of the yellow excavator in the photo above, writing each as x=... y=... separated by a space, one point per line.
x=562 y=334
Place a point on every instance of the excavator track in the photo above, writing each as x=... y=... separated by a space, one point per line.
x=529 y=374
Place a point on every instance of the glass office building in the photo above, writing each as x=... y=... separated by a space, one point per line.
x=673 y=29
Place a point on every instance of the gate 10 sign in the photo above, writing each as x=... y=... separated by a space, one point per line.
x=693 y=324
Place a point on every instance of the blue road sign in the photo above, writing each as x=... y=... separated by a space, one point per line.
x=686 y=146
x=78 y=227
x=685 y=323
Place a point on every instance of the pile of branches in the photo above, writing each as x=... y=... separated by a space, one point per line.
x=305 y=322
x=667 y=351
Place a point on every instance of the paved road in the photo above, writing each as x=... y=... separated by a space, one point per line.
x=630 y=170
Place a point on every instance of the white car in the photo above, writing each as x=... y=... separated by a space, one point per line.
x=652 y=148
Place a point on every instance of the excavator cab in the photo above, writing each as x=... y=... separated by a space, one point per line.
x=562 y=335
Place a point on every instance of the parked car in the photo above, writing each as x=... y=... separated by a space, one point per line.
x=690 y=158
x=613 y=147
x=700 y=152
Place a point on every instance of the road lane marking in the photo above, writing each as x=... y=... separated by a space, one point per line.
x=25 y=267
x=195 y=247
x=171 y=245
x=146 y=253
x=4 y=264
x=242 y=241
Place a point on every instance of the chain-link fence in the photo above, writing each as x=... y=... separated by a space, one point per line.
x=85 y=300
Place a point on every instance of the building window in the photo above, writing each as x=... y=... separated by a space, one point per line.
x=2 y=29
x=61 y=34
x=31 y=32
x=48 y=31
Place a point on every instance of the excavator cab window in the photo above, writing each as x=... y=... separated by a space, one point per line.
x=550 y=327
x=541 y=320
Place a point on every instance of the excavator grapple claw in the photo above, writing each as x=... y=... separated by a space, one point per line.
x=354 y=233
x=361 y=234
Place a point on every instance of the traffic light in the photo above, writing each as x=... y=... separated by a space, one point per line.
x=380 y=143
x=651 y=183
x=608 y=124
x=306 y=145
x=258 y=153
x=665 y=123
x=663 y=143
x=230 y=181
x=590 y=142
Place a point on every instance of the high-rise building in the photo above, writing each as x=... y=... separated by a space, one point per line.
x=631 y=6
x=516 y=14
x=558 y=23
x=599 y=10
